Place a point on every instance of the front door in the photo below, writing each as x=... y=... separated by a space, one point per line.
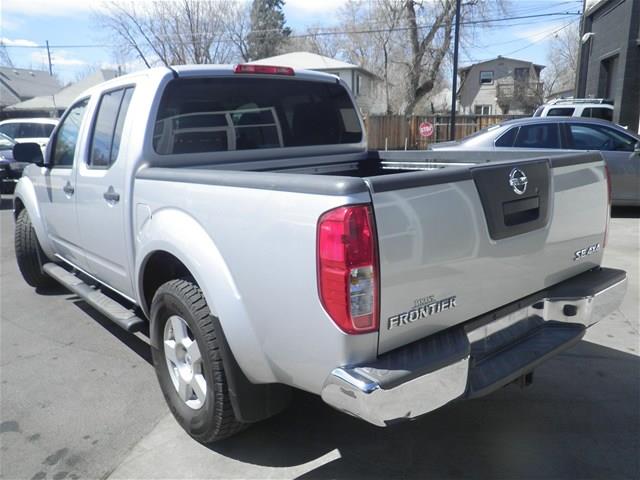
x=618 y=151
x=57 y=192
x=101 y=193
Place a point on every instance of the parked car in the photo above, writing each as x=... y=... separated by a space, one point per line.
x=37 y=130
x=239 y=210
x=619 y=147
x=577 y=107
x=10 y=170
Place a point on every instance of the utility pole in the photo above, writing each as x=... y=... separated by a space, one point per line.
x=49 y=57
x=454 y=87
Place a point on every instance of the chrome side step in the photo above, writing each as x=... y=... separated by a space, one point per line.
x=110 y=308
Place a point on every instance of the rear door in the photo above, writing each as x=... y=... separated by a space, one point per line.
x=460 y=242
x=101 y=188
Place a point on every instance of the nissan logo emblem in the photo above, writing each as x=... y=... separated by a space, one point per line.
x=518 y=181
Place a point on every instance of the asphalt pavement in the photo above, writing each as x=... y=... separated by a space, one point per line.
x=79 y=399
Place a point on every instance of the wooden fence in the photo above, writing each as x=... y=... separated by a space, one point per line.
x=397 y=132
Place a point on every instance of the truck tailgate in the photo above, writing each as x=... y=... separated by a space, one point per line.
x=457 y=242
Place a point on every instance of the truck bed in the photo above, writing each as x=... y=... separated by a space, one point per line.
x=448 y=228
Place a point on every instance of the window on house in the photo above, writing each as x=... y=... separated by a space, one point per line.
x=357 y=86
x=486 y=78
x=482 y=109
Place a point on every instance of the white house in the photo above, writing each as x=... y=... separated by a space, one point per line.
x=366 y=86
x=500 y=86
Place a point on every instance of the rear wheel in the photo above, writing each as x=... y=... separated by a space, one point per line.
x=188 y=362
x=29 y=254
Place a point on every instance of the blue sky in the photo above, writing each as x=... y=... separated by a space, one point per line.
x=28 y=23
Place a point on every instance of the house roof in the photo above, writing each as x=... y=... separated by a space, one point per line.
x=17 y=84
x=309 y=61
x=469 y=67
x=63 y=98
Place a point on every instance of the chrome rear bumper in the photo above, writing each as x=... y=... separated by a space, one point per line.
x=469 y=360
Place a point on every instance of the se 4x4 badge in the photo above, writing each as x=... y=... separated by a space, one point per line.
x=590 y=250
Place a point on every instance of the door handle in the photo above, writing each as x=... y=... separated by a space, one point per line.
x=111 y=196
x=68 y=189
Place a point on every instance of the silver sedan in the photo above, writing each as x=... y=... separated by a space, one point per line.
x=620 y=148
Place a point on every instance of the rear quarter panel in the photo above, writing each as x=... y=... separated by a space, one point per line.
x=257 y=268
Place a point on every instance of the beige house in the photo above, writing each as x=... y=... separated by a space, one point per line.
x=366 y=86
x=500 y=86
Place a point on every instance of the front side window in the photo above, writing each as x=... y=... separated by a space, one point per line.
x=596 y=137
x=107 y=130
x=538 y=136
x=9 y=129
x=64 y=146
x=243 y=113
x=486 y=78
x=560 y=112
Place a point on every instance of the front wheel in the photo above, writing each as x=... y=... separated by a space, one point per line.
x=29 y=254
x=188 y=362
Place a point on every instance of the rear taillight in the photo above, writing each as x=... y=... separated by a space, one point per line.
x=263 y=69
x=348 y=268
x=606 y=226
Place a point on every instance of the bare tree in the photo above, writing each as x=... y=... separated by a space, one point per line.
x=175 y=32
x=562 y=59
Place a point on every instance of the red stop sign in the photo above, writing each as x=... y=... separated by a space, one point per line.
x=426 y=129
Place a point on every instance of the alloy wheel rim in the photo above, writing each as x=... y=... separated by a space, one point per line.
x=184 y=362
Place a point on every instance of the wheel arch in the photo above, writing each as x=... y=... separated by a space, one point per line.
x=25 y=198
x=174 y=236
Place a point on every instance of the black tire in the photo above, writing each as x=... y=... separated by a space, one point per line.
x=215 y=419
x=29 y=254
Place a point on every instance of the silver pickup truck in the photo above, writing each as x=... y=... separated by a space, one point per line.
x=237 y=212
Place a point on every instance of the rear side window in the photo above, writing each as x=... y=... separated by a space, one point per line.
x=560 y=112
x=538 y=136
x=107 y=129
x=507 y=139
x=598 y=112
x=221 y=114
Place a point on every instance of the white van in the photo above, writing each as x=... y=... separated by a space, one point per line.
x=577 y=107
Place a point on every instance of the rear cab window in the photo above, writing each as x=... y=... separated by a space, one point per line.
x=242 y=113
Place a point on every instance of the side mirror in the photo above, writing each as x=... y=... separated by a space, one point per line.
x=637 y=148
x=28 y=152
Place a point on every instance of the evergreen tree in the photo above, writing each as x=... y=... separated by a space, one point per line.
x=268 y=30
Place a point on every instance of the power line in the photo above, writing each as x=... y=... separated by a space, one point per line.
x=325 y=33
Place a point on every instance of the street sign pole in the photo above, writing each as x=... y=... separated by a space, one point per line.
x=454 y=87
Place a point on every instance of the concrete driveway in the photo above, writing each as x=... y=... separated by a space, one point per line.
x=80 y=400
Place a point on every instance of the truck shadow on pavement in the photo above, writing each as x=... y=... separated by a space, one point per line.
x=579 y=419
